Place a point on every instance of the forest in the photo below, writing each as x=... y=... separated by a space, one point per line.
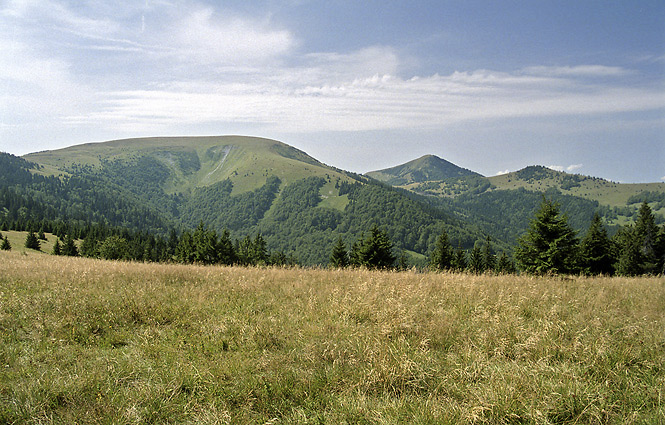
x=121 y=211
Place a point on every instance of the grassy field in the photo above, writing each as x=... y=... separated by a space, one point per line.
x=89 y=341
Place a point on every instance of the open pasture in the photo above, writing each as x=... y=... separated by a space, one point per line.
x=90 y=341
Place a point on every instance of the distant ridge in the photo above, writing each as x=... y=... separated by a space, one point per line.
x=423 y=169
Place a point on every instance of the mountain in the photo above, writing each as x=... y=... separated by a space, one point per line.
x=424 y=169
x=193 y=162
x=298 y=204
x=243 y=184
x=502 y=205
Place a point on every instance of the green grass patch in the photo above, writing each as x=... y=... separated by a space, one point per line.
x=90 y=341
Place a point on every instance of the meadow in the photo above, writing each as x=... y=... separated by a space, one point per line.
x=97 y=342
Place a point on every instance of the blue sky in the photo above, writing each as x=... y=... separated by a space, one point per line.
x=491 y=86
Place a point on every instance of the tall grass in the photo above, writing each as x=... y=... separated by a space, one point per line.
x=89 y=341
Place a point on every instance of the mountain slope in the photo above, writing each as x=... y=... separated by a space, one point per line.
x=194 y=162
x=423 y=169
x=242 y=184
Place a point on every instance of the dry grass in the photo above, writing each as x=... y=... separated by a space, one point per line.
x=88 y=341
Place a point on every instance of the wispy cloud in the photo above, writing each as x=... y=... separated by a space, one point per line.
x=570 y=168
x=579 y=71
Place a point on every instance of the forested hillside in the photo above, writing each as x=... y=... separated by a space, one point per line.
x=298 y=213
x=276 y=195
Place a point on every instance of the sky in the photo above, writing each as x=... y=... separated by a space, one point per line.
x=492 y=86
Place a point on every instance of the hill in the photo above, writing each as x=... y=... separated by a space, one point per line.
x=423 y=169
x=193 y=162
x=243 y=184
x=501 y=205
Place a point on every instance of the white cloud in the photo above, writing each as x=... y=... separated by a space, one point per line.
x=578 y=71
x=569 y=168
x=500 y=173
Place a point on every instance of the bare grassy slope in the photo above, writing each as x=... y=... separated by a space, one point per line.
x=89 y=341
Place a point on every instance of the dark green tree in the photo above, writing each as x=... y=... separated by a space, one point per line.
x=476 y=259
x=646 y=232
x=630 y=253
x=489 y=258
x=355 y=254
x=259 y=251
x=31 y=241
x=376 y=250
x=69 y=247
x=504 y=264
x=6 y=246
x=550 y=244
x=225 y=253
x=596 y=249
x=339 y=258
x=114 y=247
x=442 y=257
x=89 y=247
x=460 y=262
x=56 y=247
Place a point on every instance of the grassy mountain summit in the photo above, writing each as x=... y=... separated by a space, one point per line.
x=196 y=161
x=424 y=169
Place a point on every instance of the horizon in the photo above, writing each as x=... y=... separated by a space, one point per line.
x=576 y=87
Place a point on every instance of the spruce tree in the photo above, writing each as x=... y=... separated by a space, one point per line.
x=630 y=254
x=460 y=262
x=226 y=254
x=504 y=265
x=646 y=233
x=339 y=258
x=56 y=247
x=259 y=250
x=376 y=250
x=596 y=249
x=69 y=247
x=550 y=244
x=31 y=241
x=476 y=260
x=355 y=255
x=489 y=259
x=442 y=256
x=6 y=246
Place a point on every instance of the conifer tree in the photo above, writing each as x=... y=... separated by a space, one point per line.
x=375 y=252
x=630 y=254
x=596 y=249
x=31 y=241
x=646 y=233
x=259 y=250
x=460 y=262
x=69 y=247
x=226 y=254
x=56 y=248
x=504 y=265
x=489 y=259
x=550 y=244
x=6 y=246
x=88 y=246
x=476 y=260
x=442 y=256
x=355 y=254
x=339 y=258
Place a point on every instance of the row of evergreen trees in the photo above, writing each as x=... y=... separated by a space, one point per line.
x=549 y=246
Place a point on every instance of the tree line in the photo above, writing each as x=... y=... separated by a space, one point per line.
x=549 y=246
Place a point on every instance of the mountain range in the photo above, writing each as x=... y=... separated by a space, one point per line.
x=300 y=205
